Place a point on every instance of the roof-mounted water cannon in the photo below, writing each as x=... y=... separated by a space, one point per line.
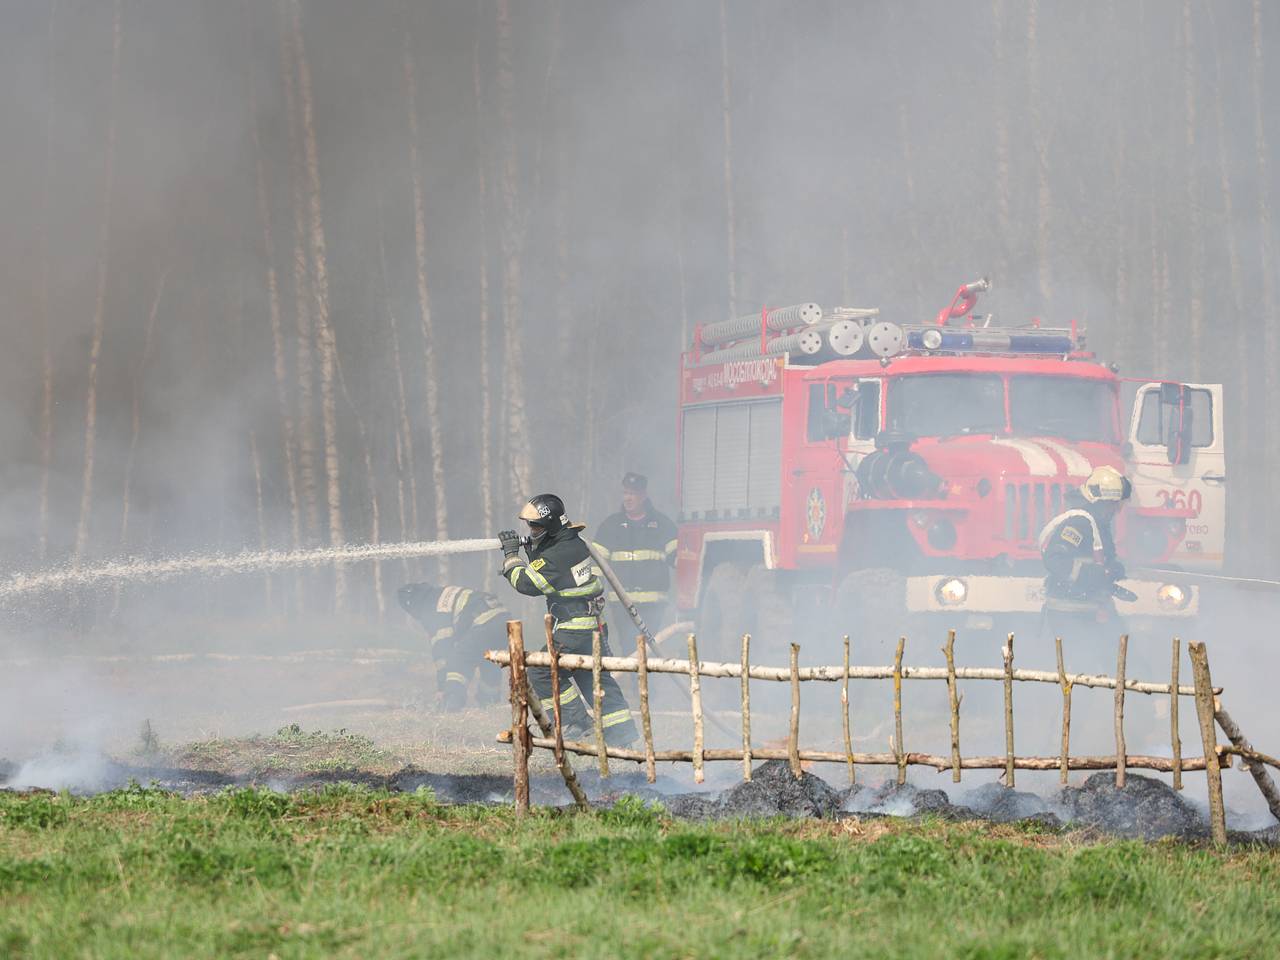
x=965 y=300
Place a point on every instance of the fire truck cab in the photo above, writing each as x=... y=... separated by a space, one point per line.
x=906 y=474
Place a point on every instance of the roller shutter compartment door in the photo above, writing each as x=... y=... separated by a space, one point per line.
x=733 y=442
x=764 y=472
x=698 y=460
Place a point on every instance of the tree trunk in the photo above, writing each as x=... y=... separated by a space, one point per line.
x=431 y=384
x=100 y=299
x=325 y=340
x=726 y=110
x=1195 y=246
x=263 y=540
x=277 y=330
x=1266 y=249
x=517 y=424
x=484 y=360
x=405 y=465
x=912 y=215
x=1004 y=191
x=305 y=372
x=136 y=426
x=42 y=297
x=1125 y=332
x=1040 y=140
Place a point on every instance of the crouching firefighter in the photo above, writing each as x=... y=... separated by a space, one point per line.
x=462 y=624
x=559 y=569
x=1079 y=553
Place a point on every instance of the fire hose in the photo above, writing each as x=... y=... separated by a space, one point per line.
x=1247 y=583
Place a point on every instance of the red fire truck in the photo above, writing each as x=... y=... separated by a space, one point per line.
x=884 y=474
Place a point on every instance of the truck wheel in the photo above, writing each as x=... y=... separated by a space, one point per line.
x=723 y=616
x=769 y=615
x=871 y=606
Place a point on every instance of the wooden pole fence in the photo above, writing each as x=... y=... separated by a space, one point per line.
x=1208 y=711
x=834 y=674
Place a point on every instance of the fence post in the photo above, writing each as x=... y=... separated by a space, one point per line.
x=1175 y=737
x=646 y=724
x=954 y=698
x=844 y=703
x=1255 y=768
x=548 y=624
x=566 y=769
x=1008 y=712
x=1209 y=737
x=597 y=703
x=746 y=706
x=1121 y=658
x=519 y=716
x=899 y=753
x=793 y=736
x=695 y=700
x=1066 y=685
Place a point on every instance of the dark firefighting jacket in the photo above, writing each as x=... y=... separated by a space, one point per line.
x=641 y=552
x=559 y=568
x=450 y=612
x=1080 y=557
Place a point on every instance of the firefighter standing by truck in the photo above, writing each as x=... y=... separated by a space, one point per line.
x=639 y=543
x=559 y=568
x=1079 y=553
x=462 y=624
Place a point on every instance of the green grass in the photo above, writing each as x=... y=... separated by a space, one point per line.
x=349 y=872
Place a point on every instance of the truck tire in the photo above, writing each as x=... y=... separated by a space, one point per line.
x=871 y=606
x=723 y=616
x=769 y=615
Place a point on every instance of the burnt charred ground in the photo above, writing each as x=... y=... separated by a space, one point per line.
x=353 y=872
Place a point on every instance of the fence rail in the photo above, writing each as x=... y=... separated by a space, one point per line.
x=1204 y=694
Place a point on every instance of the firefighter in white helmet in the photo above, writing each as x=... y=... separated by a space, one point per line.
x=1079 y=553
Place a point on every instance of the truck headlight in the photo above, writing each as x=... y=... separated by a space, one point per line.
x=1171 y=596
x=951 y=593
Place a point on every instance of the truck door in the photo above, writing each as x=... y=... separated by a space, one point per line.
x=816 y=472
x=1180 y=462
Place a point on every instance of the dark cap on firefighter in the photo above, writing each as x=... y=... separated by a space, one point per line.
x=635 y=482
x=546 y=511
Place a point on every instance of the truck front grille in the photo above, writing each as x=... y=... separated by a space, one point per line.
x=1028 y=507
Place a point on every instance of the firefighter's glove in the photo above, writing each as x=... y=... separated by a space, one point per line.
x=510 y=541
x=1115 y=570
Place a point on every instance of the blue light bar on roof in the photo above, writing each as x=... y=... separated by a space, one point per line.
x=993 y=341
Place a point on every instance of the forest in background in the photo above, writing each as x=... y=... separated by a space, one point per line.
x=293 y=272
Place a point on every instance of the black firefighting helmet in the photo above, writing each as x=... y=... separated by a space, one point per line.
x=414 y=597
x=544 y=513
x=635 y=482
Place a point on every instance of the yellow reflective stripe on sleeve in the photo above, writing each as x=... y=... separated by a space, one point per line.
x=670 y=548
x=513 y=575
x=444 y=633
x=539 y=581
x=455 y=678
x=601 y=549
x=461 y=600
x=615 y=718
x=488 y=615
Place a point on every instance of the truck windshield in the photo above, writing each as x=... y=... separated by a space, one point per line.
x=946 y=404
x=1072 y=408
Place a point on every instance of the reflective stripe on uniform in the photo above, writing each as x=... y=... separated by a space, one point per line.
x=537 y=579
x=455 y=678
x=670 y=548
x=444 y=633
x=578 y=623
x=642 y=596
x=1062 y=518
x=589 y=589
x=623 y=556
x=566 y=697
x=615 y=718
x=601 y=549
x=488 y=615
x=461 y=600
